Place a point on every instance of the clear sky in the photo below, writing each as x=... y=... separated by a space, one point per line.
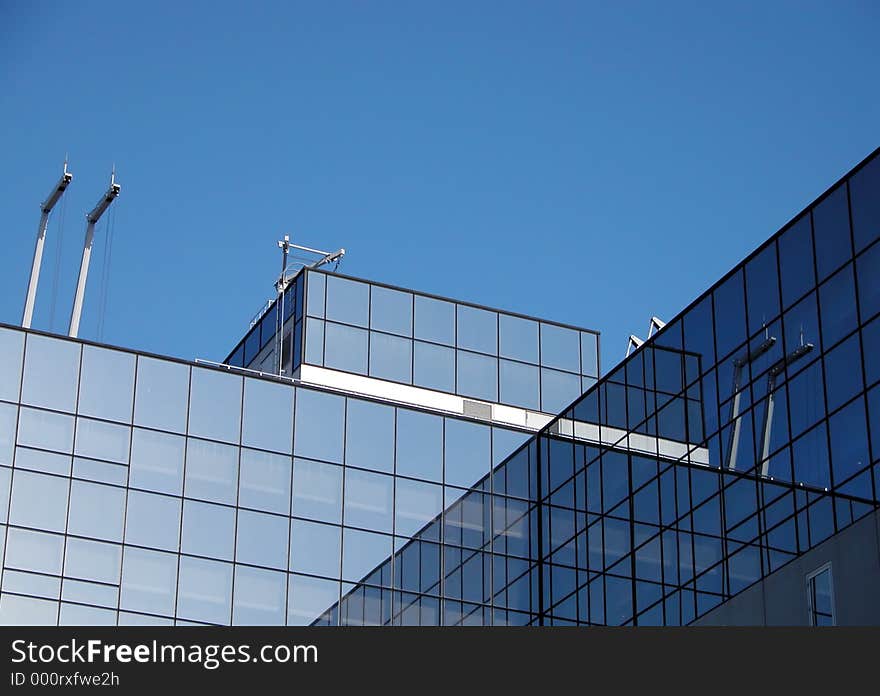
x=592 y=163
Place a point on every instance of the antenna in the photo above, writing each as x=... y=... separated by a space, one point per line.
x=45 y=208
x=91 y=220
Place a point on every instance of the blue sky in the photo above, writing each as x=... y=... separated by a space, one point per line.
x=592 y=163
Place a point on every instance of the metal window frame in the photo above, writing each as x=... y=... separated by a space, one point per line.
x=809 y=582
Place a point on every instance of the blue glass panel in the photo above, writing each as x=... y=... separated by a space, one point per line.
x=435 y=320
x=96 y=511
x=308 y=598
x=434 y=367
x=796 y=261
x=467 y=452
x=519 y=384
x=348 y=301
x=390 y=358
x=391 y=310
x=730 y=315
x=205 y=591
x=419 y=445
x=38 y=428
x=51 y=373
x=370 y=435
x=11 y=348
x=831 y=232
x=259 y=598
x=215 y=405
x=149 y=581
x=415 y=505
x=837 y=302
x=315 y=290
x=843 y=378
x=558 y=390
x=560 y=348
x=867 y=267
x=589 y=354
x=317 y=490
x=319 y=425
x=810 y=458
x=362 y=552
x=38 y=501
x=315 y=548
x=477 y=376
x=261 y=539
x=849 y=441
x=368 y=500
x=518 y=338
x=152 y=520
x=211 y=471
x=762 y=289
x=264 y=481
x=208 y=530
x=268 y=416
x=162 y=396
x=864 y=198
x=345 y=348
x=314 y=342
x=477 y=329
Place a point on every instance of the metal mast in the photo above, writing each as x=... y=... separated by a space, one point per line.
x=92 y=219
x=281 y=286
x=46 y=208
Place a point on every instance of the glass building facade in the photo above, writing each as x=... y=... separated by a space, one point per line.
x=139 y=489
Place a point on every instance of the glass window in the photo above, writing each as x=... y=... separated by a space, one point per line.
x=415 y=505
x=39 y=501
x=92 y=470
x=100 y=440
x=315 y=548
x=871 y=343
x=810 y=458
x=211 y=471
x=261 y=539
x=797 y=275
x=268 y=416
x=215 y=405
x=504 y=443
x=5 y=487
x=820 y=597
x=11 y=347
x=477 y=376
x=370 y=435
x=467 y=452
x=434 y=367
x=367 y=501
x=208 y=530
x=391 y=310
x=317 y=490
x=837 y=304
x=348 y=301
x=8 y=414
x=520 y=385
x=319 y=425
x=43 y=429
x=149 y=581
x=558 y=390
x=762 y=289
x=157 y=461
x=259 y=598
x=78 y=615
x=345 y=348
x=362 y=552
x=308 y=598
x=51 y=373
x=801 y=326
x=869 y=282
x=590 y=354
x=435 y=320
x=419 y=445
x=518 y=338
x=152 y=520
x=107 y=384
x=265 y=481
x=391 y=358
x=96 y=510
x=92 y=560
x=560 y=348
x=205 y=591
x=26 y=611
x=730 y=316
x=34 y=551
x=831 y=232
x=843 y=379
x=314 y=342
x=864 y=200
x=252 y=345
x=477 y=329
x=849 y=443
x=315 y=290
x=162 y=395
x=805 y=398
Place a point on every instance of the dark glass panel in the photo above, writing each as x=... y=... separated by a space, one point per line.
x=831 y=232
x=837 y=302
x=843 y=374
x=730 y=315
x=864 y=195
x=849 y=441
x=762 y=289
x=868 y=276
x=797 y=273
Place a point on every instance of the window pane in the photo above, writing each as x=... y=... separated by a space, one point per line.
x=8 y=414
x=208 y=530
x=843 y=379
x=831 y=232
x=43 y=429
x=261 y=539
x=416 y=504
x=391 y=358
x=762 y=289
x=317 y=490
x=152 y=520
x=477 y=376
x=315 y=290
x=11 y=347
x=319 y=425
x=35 y=551
x=25 y=611
x=347 y=301
x=560 y=348
x=315 y=548
x=157 y=461
x=869 y=282
x=51 y=372
x=435 y=320
x=314 y=342
x=370 y=435
x=419 y=445
x=519 y=338
x=211 y=471
x=268 y=415
x=477 y=329
x=100 y=440
x=519 y=385
x=215 y=405
x=467 y=451
x=265 y=481
x=38 y=501
x=308 y=598
x=162 y=395
x=837 y=303
x=259 y=597
x=590 y=354
x=864 y=199
x=434 y=367
x=368 y=499
x=107 y=384
x=849 y=443
x=391 y=310
x=345 y=348
x=149 y=581
x=558 y=390
x=205 y=591
x=730 y=315
x=362 y=552
x=810 y=458
x=96 y=510
x=92 y=560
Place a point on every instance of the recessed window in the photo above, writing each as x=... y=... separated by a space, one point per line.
x=820 y=597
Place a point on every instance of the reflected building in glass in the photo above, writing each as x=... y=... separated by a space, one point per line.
x=426 y=461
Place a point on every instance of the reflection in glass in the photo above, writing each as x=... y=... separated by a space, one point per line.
x=215 y=405
x=149 y=581
x=477 y=329
x=831 y=232
x=368 y=499
x=152 y=520
x=362 y=552
x=211 y=471
x=43 y=429
x=205 y=590
x=435 y=320
x=560 y=348
x=315 y=289
x=467 y=452
x=519 y=385
x=345 y=348
x=100 y=440
x=319 y=425
x=416 y=504
x=390 y=358
x=477 y=376
x=268 y=416
x=369 y=436
x=419 y=445
x=51 y=372
x=157 y=461
x=315 y=548
x=39 y=501
x=96 y=511
x=107 y=384
x=162 y=395
x=308 y=598
x=261 y=539
x=518 y=338
x=317 y=490
x=347 y=301
x=208 y=530
x=434 y=367
x=391 y=310
x=264 y=481
x=260 y=596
